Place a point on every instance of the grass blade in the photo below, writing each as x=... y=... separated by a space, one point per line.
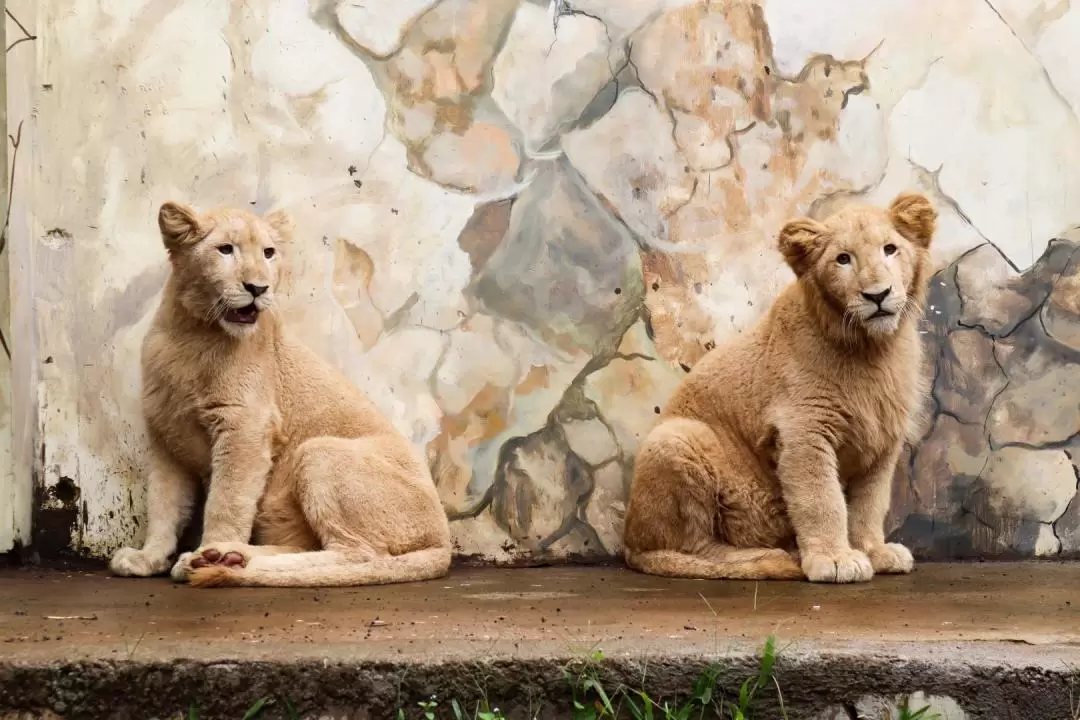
x=254 y=710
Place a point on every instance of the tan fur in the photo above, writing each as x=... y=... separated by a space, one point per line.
x=290 y=453
x=774 y=458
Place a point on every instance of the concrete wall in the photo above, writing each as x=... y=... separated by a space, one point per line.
x=7 y=482
x=16 y=429
x=521 y=223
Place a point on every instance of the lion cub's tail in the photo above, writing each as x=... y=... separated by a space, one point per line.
x=719 y=561
x=326 y=571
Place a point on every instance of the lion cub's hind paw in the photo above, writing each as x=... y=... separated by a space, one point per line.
x=845 y=566
x=229 y=555
x=205 y=557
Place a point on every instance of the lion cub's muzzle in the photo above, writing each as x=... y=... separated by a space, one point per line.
x=881 y=304
x=248 y=314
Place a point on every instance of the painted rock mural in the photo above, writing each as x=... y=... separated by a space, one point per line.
x=521 y=223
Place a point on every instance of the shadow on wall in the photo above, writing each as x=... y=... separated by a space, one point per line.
x=995 y=472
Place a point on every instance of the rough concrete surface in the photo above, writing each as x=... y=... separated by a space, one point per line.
x=1001 y=640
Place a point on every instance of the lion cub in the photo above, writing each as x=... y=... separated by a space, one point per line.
x=774 y=459
x=288 y=450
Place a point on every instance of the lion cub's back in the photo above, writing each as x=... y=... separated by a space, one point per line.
x=728 y=384
x=318 y=400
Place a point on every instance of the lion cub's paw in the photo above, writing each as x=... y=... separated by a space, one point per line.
x=232 y=555
x=845 y=566
x=891 y=558
x=181 y=567
x=227 y=554
x=129 y=562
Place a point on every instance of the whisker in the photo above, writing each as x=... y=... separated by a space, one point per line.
x=849 y=331
x=854 y=328
x=216 y=311
x=911 y=307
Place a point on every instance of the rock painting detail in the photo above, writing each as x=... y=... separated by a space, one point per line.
x=525 y=221
x=995 y=472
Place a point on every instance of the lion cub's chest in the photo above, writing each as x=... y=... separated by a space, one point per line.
x=881 y=404
x=174 y=392
x=192 y=396
x=172 y=415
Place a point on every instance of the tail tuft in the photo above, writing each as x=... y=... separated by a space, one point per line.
x=215 y=576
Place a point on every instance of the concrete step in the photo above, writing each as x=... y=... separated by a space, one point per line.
x=989 y=640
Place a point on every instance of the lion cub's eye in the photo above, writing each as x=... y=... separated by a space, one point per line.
x=843 y=259
x=268 y=253
x=225 y=249
x=890 y=249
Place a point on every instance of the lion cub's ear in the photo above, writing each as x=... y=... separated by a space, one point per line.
x=914 y=217
x=798 y=241
x=179 y=225
x=282 y=224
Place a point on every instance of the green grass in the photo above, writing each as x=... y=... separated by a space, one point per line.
x=589 y=699
x=592 y=702
x=922 y=713
x=429 y=710
x=256 y=709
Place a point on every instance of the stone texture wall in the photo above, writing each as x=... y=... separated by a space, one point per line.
x=521 y=223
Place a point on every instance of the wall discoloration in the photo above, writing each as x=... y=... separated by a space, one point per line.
x=995 y=472
x=8 y=532
x=18 y=399
x=518 y=231
x=60 y=513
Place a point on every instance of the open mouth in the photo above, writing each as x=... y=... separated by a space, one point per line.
x=880 y=313
x=246 y=315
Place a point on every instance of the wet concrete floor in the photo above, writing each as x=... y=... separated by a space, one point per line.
x=543 y=612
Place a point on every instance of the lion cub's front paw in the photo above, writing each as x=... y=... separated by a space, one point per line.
x=891 y=558
x=129 y=562
x=845 y=566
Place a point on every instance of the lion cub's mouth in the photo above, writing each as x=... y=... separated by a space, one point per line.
x=880 y=313
x=246 y=315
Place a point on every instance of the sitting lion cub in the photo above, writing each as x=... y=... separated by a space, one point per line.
x=286 y=447
x=774 y=459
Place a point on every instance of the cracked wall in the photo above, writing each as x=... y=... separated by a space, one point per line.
x=521 y=223
x=994 y=471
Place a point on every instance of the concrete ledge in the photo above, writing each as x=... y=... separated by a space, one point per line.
x=812 y=685
x=999 y=640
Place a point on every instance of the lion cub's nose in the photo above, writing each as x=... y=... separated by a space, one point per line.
x=257 y=290
x=878 y=297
